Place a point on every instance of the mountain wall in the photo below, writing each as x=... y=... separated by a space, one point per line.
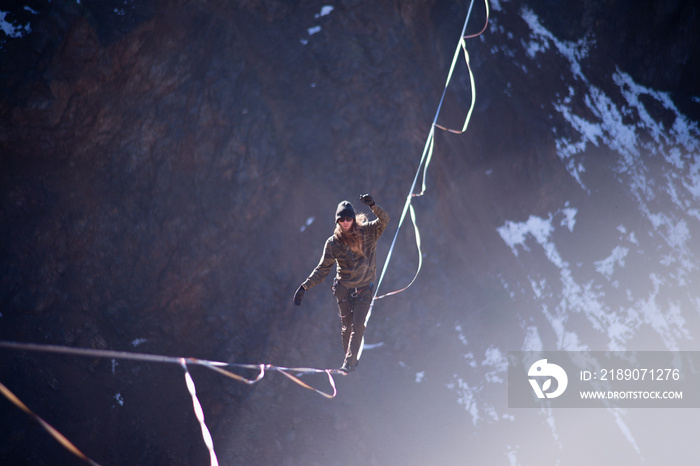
x=170 y=171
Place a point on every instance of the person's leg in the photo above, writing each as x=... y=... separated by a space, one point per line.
x=360 y=307
x=345 y=312
x=346 y=324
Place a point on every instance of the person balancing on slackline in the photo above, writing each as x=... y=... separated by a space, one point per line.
x=352 y=248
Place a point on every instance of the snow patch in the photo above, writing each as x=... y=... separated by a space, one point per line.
x=460 y=334
x=325 y=10
x=466 y=397
x=498 y=362
x=532 y=341
x=308 y=223
x=13 y=30
x=607 y=265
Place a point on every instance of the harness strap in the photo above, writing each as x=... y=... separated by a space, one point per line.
x=357 y=291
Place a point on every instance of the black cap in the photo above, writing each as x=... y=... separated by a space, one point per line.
x=344 y=210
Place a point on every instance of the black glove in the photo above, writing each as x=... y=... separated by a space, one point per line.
x=298 y=295
x=367 y=199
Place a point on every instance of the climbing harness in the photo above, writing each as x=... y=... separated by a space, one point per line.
x=352 y=295
x=357 y=291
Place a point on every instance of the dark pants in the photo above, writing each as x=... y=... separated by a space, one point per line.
x=353 y=305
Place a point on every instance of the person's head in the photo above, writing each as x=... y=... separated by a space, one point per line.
x=347 y=225
x=345 y=216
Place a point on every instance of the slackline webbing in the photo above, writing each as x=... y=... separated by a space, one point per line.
x=292 y=373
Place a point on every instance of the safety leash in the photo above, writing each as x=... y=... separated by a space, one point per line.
x=427 y=155
x=67 y=444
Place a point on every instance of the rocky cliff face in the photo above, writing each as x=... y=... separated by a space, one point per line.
x=169 y=174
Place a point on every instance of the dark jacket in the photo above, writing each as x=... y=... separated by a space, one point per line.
x=353 y=271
